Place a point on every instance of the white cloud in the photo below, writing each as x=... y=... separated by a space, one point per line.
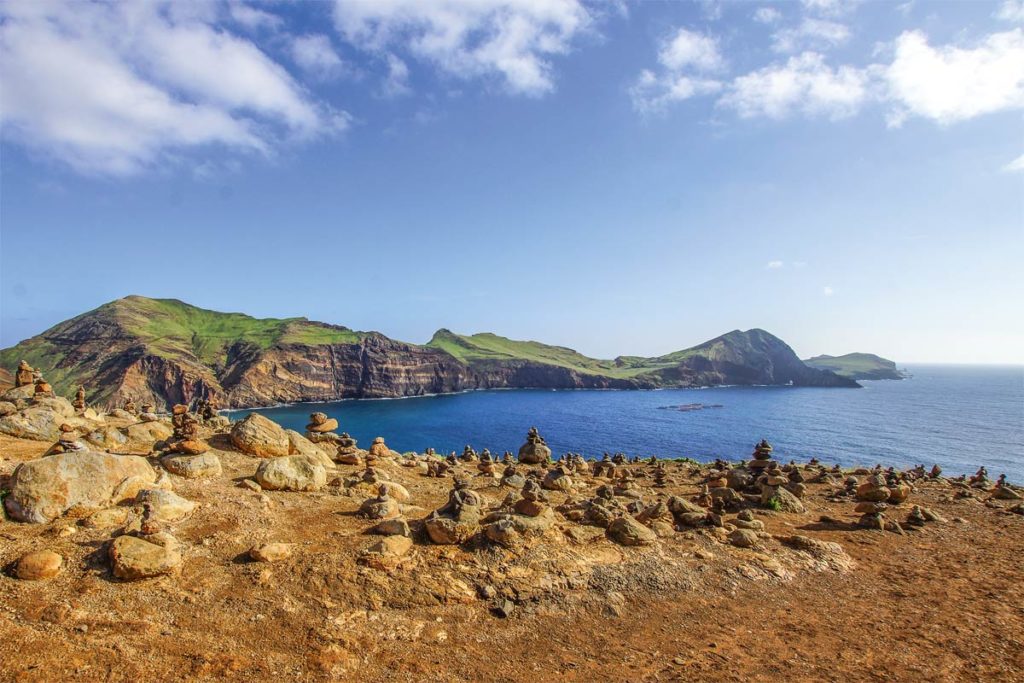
x=116 y=88
x=687 y=58
x=810 y=33
x=767 y=15
x=949 y=84
x=316 y=55
x=253 y=18
x=510 y=39
x=829 y=7
x=688 y=49
x=397 y=82
x=803 y=84
x=1011 y=10
x=1015 y=165
x=774 y=265
x=827 y=290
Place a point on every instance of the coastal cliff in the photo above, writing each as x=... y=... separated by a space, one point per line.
x=163 y=351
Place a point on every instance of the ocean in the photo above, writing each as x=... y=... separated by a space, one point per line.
x=960 y=417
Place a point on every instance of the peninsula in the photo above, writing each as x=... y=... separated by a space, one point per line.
x=857 y=366
x=165 y=351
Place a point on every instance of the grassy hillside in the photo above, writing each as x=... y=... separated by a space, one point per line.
x=485 y=347
x=857 y=366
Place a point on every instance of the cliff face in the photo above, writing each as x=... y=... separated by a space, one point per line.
x=165 y=352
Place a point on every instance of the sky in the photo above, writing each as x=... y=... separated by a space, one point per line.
x=616 y=177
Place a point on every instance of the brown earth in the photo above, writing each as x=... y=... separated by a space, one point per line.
x=944 y=603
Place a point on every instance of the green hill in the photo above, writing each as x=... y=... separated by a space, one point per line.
x=857 y=366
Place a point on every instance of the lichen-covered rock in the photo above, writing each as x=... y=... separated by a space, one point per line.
x=291 y=473
x=45 y=489
x=134 y=558
x=627 y=531
x=256 y=435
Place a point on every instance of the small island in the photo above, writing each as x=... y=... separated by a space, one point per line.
x=857 y=366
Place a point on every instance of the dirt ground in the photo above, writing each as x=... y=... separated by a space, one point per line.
x=943 y=603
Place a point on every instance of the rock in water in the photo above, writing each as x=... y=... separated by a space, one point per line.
x=45 y=489
x=627 y=531
x=256 y=435
x=291 y=473
x=42 y=564
x=134 y=558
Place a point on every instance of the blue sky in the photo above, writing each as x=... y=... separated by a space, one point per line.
x=621 y=178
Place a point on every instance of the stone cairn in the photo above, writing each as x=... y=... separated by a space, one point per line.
x=535 y=451
x=486 y=467
x=511 y=478
x=321 y=428
x=458 y=519
x=468 y=454
x=762 y=457
x=660 y=476
x=185 y=438
x=348 y=452
x=67 y=441
x=148 y=413
x=25 y=375
x=605 y=467
x=381 y=506
x=79 y=402
x=42 y=388
x=378 y=449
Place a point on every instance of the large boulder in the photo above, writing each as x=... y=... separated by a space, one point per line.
x=784 y=501
x=300 y=445
x=291 y=473
x=149 y=432
x=165 y=506
x=45 y=489
x=256 y=435
x=37 y=422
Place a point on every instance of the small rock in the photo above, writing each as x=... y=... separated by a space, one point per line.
x=743 y=538
x=42 y=564
x=271 y=552
x=627 y=531
x=504 y=609
x=134 y=558
x=392 y=527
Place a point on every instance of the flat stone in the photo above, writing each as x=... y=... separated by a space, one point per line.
x=627 y=531
x=134 y=558
x=193 y=466
x=392 y=527
x=166 y=506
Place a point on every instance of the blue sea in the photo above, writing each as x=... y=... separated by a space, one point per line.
x=958 y=416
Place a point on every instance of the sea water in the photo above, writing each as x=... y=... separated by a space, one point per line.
x=960 y=417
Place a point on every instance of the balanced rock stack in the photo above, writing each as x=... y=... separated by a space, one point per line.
x=321 y=428
x=381 y=506
x=874 y=490
x=79 y=403
x=67 y=441
x=535 y=451
x=468 y=454
x=458 y=519
x=487 y=467
x=25 y=375
x=762 y=457
x=148 y=413
x=557 y=479
x=43 y=389
x=185 y=438
x=531 y=514
x=348 y=451
x=379 y=449
x=510 y=477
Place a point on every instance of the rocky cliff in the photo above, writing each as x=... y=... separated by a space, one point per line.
x=165 y=352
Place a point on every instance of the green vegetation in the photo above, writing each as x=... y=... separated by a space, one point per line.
x=774 y=504
x=857 y=366
x=484 y=347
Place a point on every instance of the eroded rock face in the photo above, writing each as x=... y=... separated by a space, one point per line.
x=256 y=435
x=291 y=473
x=39 y=422
x=45 y=489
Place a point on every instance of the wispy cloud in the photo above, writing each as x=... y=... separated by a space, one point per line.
x=688 y=62
x=810 y=33
x=767 y=15
x=315 y=54
x=774 y=265
x=1016 y=165
x=115 y=88
x=827 y=290
x=1011 y=10
x=508 y=39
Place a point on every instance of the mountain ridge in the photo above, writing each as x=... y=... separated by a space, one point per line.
x=165 y=351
